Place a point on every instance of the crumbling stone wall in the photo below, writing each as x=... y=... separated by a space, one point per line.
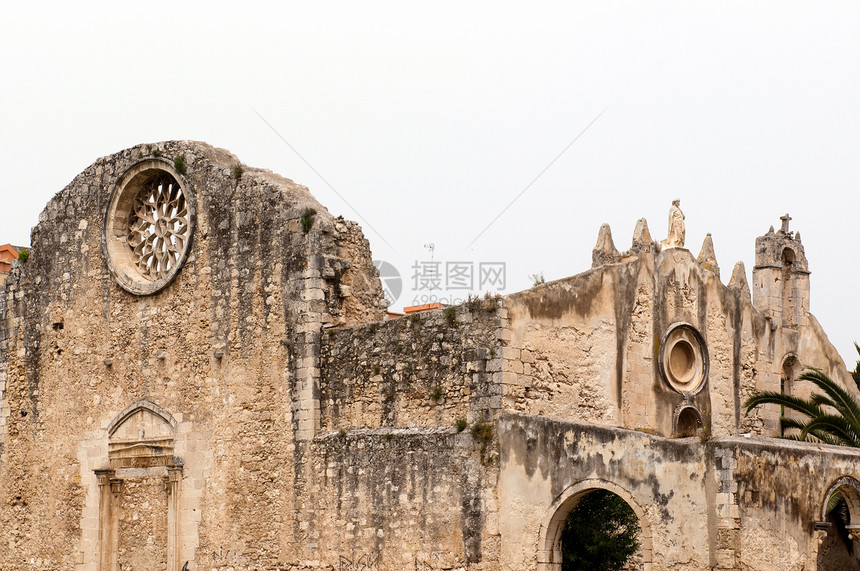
x=143 y=525
x=230 y=347
x=291 y=428
x=665 y=479
x=427 y=370
x=589 y=347
x=564 y=333
x=403 y=499
x=721 y=503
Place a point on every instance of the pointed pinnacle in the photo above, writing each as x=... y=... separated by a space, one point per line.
x=707 y=258
x=604 y=250
x=738 y=281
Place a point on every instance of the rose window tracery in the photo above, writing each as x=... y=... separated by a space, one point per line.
x=158 y=227
x=149 y=226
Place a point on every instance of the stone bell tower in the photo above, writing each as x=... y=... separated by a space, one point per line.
x=780 y=285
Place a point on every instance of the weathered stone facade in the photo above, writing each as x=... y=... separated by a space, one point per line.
x=196 y=370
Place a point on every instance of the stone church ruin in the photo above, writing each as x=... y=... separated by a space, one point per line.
x=197 y=374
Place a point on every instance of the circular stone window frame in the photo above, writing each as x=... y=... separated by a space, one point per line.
x=115 y=246
x=686 y=338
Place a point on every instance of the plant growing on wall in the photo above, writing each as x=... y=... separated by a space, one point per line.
x=831 y=416
x=482 y=432
x=437 y=394
x=451 y=315
x=308 y=219
x=537 y=279
x=179 y=164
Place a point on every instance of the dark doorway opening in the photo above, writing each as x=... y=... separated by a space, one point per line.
x=602 y=533
x=837 y=551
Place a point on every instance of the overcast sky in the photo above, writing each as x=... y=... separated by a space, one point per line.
x=429 y=120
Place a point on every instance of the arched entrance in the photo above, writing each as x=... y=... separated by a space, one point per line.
x=839 y=545
x=550 y=554
x=688 y=422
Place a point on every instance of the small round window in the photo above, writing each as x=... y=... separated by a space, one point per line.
x=148 y=227
x=684 y=359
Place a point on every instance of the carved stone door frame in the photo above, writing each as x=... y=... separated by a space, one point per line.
x=110 y=489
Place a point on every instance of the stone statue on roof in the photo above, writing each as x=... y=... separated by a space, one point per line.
x=677 y=232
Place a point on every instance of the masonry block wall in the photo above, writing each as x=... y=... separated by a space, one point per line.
x=428 y=370
x=702 y=505
x=403 y=499
x=197 y=371
x=230 y=348
x=591 y=347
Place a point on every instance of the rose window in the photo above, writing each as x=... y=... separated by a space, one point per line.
x=149 y=226
x=158 y=227
x=684 y=359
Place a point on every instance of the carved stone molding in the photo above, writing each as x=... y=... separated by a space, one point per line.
x=148 y=226
x=684 y=359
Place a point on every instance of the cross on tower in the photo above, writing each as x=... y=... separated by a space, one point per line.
x=785 y=220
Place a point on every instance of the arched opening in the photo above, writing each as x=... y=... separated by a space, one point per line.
x=838 y=548
x=688 y=423
x=595 y=525
x=788 y=374
x=601 y=533
x=787 y=288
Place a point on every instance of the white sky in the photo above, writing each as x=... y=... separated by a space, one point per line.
x=429 y=119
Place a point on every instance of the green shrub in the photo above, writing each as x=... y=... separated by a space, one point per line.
x=308 y=219
x=451 y=315
x=482 y=432
x=601 y=533
x=179 y=164
x=437 y=394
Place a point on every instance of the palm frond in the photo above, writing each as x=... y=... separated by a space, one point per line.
x=790 y=402
x=855 y=374
x=827 y=438
x=843 y=401
x=833 y=501
x=833 y=425
x=831 y=416
x=801 y=427
x=787 y=423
